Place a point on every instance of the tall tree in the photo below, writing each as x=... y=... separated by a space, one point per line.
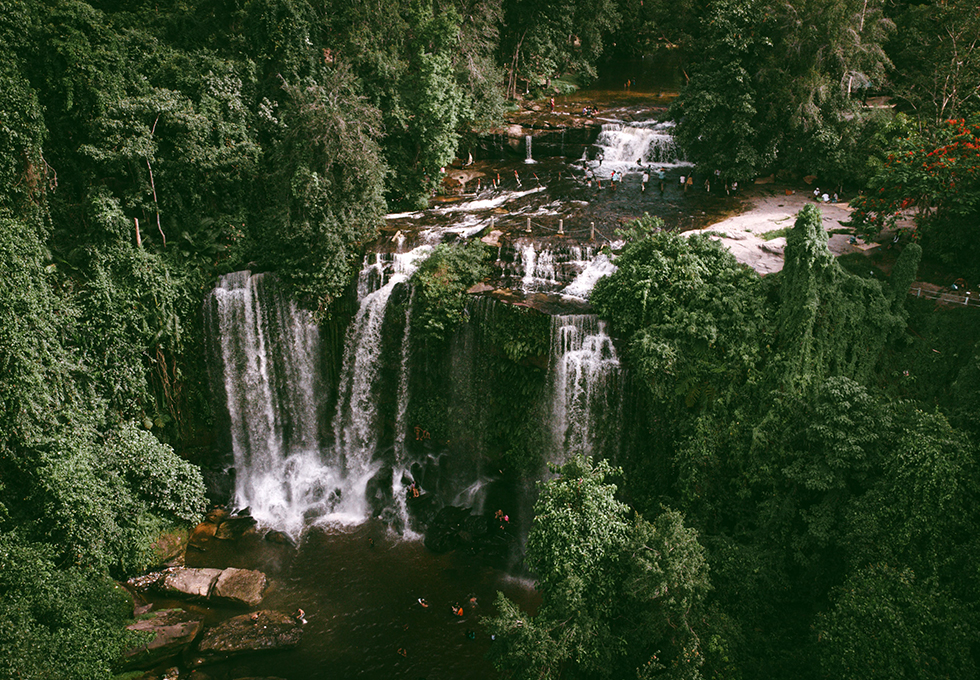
x=617 y=594
x=936 y=51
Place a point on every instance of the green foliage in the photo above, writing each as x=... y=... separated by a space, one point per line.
x=937 y=60
x=170 y=487
x=830 y=322
x=772 y=84
x=440 y=285
x=57 y=623
x=548 y=39
x=22 y=132
x=689 y=313
x=935 y=174
x=884 y=624
x=521 y=333
x=324 y=183
x=617 y=595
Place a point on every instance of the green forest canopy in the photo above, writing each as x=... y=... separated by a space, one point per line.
x=147 y=150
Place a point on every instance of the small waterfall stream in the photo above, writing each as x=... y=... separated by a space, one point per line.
x=529 y=159
x=585 y=387
x=356 y=425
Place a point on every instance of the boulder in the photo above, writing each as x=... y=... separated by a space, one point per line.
x=235 y=527
x=168 y=633
x=190 y=582
x=201 y=536
x=240 y=586
x=280 y=538
x=479 y=288
x=261 y=631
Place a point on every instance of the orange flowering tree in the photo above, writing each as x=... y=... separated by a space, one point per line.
x=935 y=176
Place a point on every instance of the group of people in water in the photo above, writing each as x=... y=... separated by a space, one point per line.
x=456 y=607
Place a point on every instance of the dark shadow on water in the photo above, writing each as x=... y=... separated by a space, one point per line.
x=360 y=589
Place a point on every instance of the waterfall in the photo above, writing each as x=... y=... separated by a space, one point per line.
x=584 y=386
x=402 y=462
x=583 y=284
x=269 y=355
x=270 y=375
x=622 y=144
x=534 y=267
x=527 y=143
x=539 y=268
x=356 y=423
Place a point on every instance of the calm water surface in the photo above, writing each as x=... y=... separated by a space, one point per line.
x=360 y=588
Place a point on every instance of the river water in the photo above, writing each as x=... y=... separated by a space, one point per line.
x=360 y=588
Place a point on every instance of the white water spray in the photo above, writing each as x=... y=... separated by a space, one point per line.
x=585 y=384
x=268 y=351
x=621 y=145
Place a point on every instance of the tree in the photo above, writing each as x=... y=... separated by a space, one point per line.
x=547 y=39
x=617 y=594
x=885 y=624
x=830 y=322
x=324 y=179
x=688 y=310
x=936 y=174
x=773 y=85
x=936 y=50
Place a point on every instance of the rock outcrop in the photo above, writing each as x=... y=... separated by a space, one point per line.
x=168 y=633
x=240 y=586
x=261 y=631
x=194 y=583
x=230 y=586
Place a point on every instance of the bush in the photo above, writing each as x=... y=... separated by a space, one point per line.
x=440 y=288
x=168 y=485
x=57 y=624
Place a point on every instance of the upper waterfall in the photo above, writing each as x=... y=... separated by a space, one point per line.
x=621 y=145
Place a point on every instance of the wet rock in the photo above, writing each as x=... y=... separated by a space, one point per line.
x=240 y=586
x=167 y=633
x=196 y=583
x=445 y=531
x=481 y=287
x=202 y=535
x=280 y=538
x=261 y=631
x=235 y=527
x=217 y=515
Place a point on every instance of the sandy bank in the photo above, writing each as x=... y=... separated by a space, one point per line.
x=771 y=209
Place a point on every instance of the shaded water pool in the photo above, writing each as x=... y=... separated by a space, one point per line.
x=359 y=588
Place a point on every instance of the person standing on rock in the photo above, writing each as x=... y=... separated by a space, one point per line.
x=644 y=180
x=661 y=176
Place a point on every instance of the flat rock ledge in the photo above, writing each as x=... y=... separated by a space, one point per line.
x=261 y=631
x=172 y=630
x=232 y=586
